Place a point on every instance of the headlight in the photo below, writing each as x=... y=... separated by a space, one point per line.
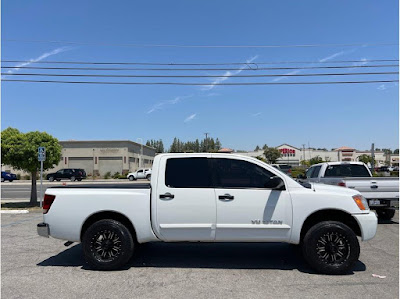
x=361 y=202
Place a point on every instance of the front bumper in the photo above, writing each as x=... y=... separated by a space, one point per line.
x=43 y=230
x=368 y=224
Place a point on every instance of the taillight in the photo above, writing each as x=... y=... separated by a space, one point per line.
x=342 y=184
x=47 y=202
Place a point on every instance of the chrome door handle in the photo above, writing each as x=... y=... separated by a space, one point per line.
x=226 y=197
x=167 y=196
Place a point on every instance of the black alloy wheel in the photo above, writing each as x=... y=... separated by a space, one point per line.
x=107 y=245
x=331 y=247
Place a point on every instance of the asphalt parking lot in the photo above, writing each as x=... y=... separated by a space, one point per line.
x=36 y=267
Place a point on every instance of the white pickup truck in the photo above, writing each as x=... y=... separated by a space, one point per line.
x=220 y=198
x=382 y=193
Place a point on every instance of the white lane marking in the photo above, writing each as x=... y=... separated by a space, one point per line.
x=14 y=211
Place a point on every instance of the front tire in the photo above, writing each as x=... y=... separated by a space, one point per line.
x=72 y=179
x=2 y=179
x=131 y=178
x=148 y=177
x=51 y=179
x=385 y=214
x=331 y=247
x=107 y=245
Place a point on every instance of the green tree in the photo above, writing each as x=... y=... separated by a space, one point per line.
x=396 y=151
x=365 y=159
x=315 y=160
x=257 y=148
x=20 y=151
x=272 y=154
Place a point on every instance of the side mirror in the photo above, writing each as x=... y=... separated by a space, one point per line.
x=275 y=182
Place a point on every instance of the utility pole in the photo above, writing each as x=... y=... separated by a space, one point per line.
x=304 y=152
x=373 y=157
x=206 y=142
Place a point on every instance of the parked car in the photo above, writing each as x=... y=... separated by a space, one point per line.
x=71 y=174
x=7 y=176
x=382 y=193
x=210 y=198
x=384 y=169
x=139 y=174
x=285 y=168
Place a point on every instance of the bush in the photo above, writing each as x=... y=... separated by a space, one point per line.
x=26 y=177
x=18 y=176
x=107 y=175
x=298 y=170
x=394 y=173
x=115 y=175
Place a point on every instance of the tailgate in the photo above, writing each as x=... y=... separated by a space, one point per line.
x=376 y=188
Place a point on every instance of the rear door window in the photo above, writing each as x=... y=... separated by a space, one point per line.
x=187 y=173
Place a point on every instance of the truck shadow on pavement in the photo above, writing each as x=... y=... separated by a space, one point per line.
x=203 y=255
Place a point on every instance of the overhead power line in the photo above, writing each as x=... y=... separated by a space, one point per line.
x=197 y=76
x=197 y=63
x=138 y=45
x=203 y=84
x=249 y=68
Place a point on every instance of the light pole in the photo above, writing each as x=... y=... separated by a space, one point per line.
x=141 y=151
x=206 y=141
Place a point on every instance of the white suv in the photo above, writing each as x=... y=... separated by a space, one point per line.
x=140 y=174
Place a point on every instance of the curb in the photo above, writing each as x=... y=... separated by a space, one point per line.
x=14 y=211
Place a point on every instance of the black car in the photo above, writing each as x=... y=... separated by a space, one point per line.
x=71 y=174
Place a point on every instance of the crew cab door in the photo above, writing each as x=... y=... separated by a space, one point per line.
x=185 y=199
x=246 y=210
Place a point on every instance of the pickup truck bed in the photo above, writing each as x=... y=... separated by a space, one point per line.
x=106 y=186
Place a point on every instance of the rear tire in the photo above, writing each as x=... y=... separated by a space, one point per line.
x=79 y=180
x=72 y=179
x=107 y=245
x=385 y=214
x=331 y=247
x=10 y=181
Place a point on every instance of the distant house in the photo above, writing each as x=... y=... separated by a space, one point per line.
x=225 y=150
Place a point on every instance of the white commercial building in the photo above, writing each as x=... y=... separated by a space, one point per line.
x=293 y=155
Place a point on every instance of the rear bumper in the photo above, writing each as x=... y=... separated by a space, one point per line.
x=368 y=224
x=382 y=203
x=43 y=230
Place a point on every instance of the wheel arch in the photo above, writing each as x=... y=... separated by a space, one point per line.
x=330 y=215
x=108 y=215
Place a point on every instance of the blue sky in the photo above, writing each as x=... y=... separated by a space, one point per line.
x=241 y=116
